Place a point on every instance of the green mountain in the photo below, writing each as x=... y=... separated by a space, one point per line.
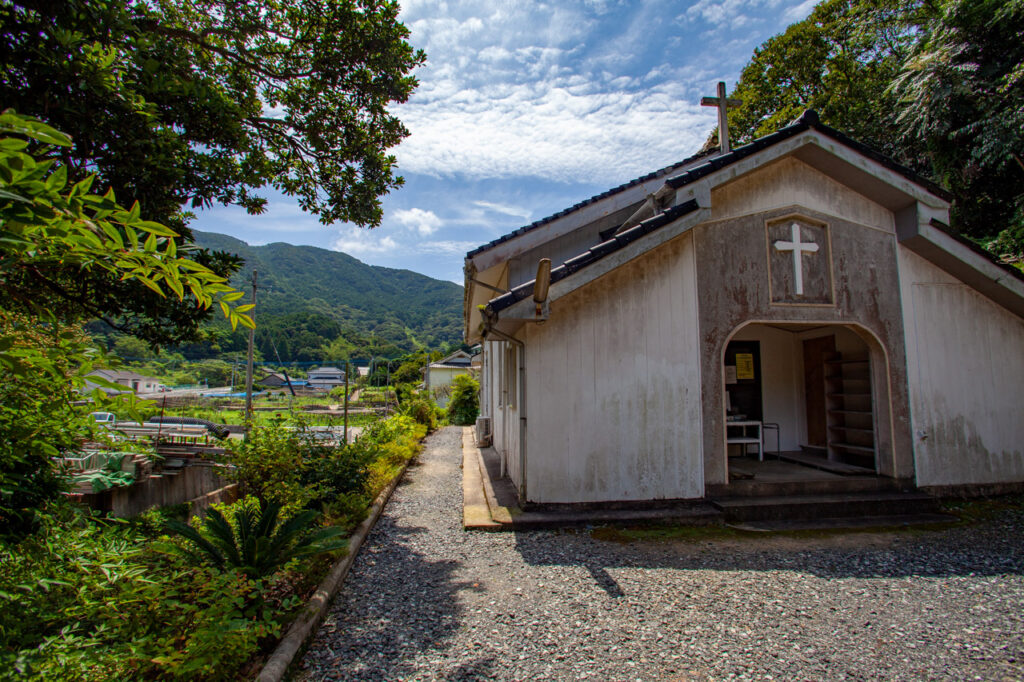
x=308 y=297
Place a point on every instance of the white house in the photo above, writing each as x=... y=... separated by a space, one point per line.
x=802 y=284
x=325 y=378
x=439 y=376
x=131 y=381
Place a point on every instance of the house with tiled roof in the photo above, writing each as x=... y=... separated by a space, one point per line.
x=129 y=381
x=439 y=376
x=797 y=308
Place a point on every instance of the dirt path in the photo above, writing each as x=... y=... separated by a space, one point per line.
x=427 y=600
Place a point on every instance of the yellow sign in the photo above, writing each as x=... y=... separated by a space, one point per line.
x=744 y=365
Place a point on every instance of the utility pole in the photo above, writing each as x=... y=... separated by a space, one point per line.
x=248 y=366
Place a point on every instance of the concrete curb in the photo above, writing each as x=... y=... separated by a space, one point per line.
x=482 y=511
x=309 y=619
x=476 y=513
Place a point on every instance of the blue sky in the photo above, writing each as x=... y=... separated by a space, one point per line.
x=525 y=108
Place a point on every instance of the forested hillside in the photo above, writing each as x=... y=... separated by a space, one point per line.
x=317 y=305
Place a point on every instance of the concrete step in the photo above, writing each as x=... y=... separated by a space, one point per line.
x=792 y=507
x=847 y=484
x=846 y=523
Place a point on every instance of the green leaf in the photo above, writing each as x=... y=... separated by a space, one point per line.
x=151 y=284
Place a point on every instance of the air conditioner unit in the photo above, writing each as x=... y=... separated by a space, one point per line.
x=483 y=432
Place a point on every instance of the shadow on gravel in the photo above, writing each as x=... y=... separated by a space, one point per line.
x=378 y=626
x=479 y=669
x=995 y=548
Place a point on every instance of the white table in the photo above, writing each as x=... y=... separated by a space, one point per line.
x=750 y=433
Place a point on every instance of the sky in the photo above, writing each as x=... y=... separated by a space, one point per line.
x=525 y=108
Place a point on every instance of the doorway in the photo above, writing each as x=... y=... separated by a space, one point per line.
x=817 y=396
x=816 y=351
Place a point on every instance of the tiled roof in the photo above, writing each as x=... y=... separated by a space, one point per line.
x=809 y=119
x=667 y=170
x=596 y=253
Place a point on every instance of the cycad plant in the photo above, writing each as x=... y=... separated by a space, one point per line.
x=257 y=545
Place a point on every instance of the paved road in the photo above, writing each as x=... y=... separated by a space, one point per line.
x=427 y=600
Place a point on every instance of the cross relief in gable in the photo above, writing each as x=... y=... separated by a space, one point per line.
x=799 y=261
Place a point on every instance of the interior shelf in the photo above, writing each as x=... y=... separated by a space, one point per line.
x=851 y=446
x=849 y=408
x=853 y=429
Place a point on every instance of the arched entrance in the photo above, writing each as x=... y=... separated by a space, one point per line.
x=813 y=397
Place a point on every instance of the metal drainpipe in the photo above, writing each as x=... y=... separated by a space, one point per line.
x=522 y=402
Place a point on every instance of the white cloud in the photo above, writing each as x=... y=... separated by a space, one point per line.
x=504 y=209
x=558 y=91
x=447 y=247
x=358 y=241
x=586 y=134
x=799 y=12
x=424 y=222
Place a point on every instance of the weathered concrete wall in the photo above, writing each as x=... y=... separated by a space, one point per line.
x=733 y=258
x=790 y=181
x=192 y=482
x=966 y=373
x=614 y=408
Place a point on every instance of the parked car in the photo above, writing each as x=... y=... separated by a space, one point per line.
x=104 y=418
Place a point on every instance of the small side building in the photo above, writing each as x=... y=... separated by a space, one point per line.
x=133 y=382
x=439 y=376
x=325 y=378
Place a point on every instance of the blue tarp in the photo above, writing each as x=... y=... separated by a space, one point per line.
x=230 y=395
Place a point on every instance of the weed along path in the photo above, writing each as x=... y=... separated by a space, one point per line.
x=428 y=601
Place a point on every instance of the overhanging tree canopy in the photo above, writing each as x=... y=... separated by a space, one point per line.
x=199 y=102
x=190 y=103
x=937 y=86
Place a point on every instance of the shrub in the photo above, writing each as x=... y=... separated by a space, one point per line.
x=287 y=465
x=464 y=405
x=336 y=470
x=256 y=543
x=423 y=411
x=269 y=463
x=397 y=440
x=89 y=599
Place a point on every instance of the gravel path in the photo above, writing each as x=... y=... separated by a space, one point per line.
x=427 y=600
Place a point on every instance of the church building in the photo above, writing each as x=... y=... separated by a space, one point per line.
x=799 y=299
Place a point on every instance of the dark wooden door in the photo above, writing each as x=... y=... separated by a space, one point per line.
x=815 y=352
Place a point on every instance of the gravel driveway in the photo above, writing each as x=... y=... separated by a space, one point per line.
x=427 y=600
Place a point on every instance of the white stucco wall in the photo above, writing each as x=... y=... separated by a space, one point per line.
x=613 y=383
x=966 y=374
